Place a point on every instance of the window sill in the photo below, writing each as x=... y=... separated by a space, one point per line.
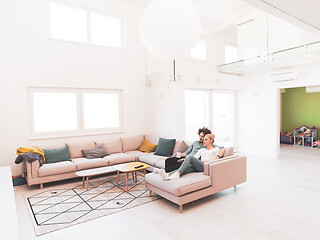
x=74 y=135
x=87 y=44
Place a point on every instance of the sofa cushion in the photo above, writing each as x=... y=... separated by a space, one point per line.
x=185 y=184
x=112 y=145
x=84 y=163
x=56 y=155
x=76 y=147
x=151 y=159
x=160 y=163
x=228 y=152
x=152 y=138
x=96 y=152
x=136 y=154
x=181 y=146
x=56 y=168
x=147 y=146
x=165 y=147
x=131 y=143
x=117 y=158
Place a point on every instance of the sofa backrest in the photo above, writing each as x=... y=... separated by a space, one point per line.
x=229 y=152
x=206 y=170
x=112 y=145
x=181 y=146
x=76 y=147
x=131 y=143
x=152 y=138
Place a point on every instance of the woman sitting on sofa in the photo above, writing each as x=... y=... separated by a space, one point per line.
x=196 y=163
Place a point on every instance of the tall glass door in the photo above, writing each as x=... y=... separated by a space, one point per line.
x=223 y=118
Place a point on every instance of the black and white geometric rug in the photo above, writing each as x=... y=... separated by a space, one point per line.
x=54 y=209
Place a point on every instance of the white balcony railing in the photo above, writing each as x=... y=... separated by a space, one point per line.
x=300 y=55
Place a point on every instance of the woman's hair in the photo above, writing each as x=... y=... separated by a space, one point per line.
x=204 y=130
x=211 y=137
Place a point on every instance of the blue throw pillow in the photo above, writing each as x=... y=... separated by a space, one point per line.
x=57 y=155
x=165 y=147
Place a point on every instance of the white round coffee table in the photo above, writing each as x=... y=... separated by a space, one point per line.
x=85 y=174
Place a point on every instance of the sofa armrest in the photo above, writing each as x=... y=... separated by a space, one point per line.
x=227 y=172
x=32 y=169
x=207 y=164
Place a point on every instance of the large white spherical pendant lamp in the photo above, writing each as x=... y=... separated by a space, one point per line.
x=170 y=29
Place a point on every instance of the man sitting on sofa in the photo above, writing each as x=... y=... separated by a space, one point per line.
x=197 y=145
x=174 y=163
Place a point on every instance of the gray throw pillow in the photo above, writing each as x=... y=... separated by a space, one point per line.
x=165 y=147
x=96 y=152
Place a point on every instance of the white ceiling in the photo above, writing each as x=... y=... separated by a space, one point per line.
x=217 y=15
x=304 y=13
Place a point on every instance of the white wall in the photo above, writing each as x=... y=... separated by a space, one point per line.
x=166 y=99
x=259 y=109
x=259 y=100
x=167 y=104
x=267 y=34
x=29 y=58
x=252 y=37
x=284 y=35
x=214 y=55
x=257 y=117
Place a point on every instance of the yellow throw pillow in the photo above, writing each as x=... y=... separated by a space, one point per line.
x=147 y=147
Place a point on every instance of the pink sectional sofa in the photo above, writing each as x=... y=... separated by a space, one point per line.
x=123 y=150
x=217 y=176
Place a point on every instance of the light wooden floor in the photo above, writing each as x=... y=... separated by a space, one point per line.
x=281 y=201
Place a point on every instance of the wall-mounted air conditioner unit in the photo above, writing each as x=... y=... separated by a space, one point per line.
x=312 y=89
x=284 y=76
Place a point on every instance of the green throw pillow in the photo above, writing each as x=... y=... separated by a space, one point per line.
x=165 y=147
x=57 y=155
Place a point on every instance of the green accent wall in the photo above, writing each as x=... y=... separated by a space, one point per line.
x=300 y=108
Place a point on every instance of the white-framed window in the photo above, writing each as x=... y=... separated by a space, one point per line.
x=223 y=114
x=196 y=112
x=101 y=109
x=70 y=112
x=230 y=53
x=82 y=25
x=213 y=109
x=199 y=51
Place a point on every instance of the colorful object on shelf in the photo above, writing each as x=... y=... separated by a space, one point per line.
x=316 y=143
x=286 y=133
x=286 y=137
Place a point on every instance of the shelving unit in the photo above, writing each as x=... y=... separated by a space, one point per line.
x=305 y=136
